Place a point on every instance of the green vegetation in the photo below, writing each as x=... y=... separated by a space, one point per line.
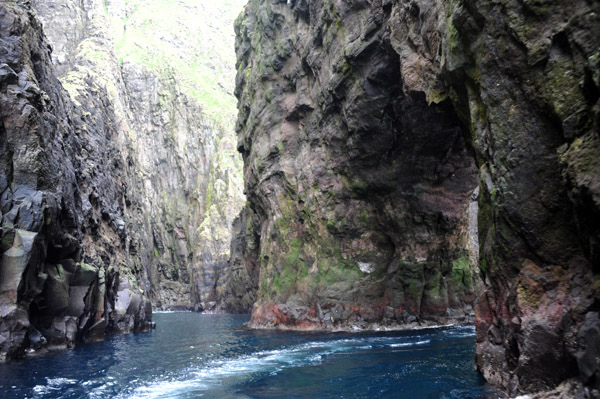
x=284 y=281
x=336 y=270
x=295 y=246
x=185 y=46
x=461 y=271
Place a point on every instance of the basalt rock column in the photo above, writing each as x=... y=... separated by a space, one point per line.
x=65 y=274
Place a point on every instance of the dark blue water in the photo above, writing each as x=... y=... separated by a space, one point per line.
x=214 y=356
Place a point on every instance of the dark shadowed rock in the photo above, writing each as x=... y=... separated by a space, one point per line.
x=588 y=360
x=59 y=240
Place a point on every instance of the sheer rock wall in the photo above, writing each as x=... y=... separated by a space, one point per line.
x=117 y=190
x=67 y=273
x=359 y=192
x=364 y=126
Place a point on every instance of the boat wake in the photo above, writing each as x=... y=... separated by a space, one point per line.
x=222 y=376
x=228 y=372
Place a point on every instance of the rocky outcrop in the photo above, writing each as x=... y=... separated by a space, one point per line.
x=364 y=126
x=66 y=274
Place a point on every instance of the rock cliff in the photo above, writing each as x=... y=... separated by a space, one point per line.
x=401 y=157
x=359 y=192
x=67 y=274
x=174 y=97
x=119 y=182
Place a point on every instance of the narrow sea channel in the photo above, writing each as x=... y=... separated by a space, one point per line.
x=193 y=355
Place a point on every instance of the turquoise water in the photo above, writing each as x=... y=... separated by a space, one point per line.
x=214 y=356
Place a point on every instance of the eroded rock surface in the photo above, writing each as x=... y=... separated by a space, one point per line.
x=363 y=125
x=66 y=274
x=118 y=189
x=358 y=192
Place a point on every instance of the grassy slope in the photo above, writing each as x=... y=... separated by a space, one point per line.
x=191 y=39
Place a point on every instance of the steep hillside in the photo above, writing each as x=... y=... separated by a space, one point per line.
x=366 y=128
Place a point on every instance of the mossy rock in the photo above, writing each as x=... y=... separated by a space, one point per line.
x=84 y=275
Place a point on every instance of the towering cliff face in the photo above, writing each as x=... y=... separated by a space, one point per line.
x=118 y=191
x=359 y=191
x=364 y=126
x=525 y=77
x=67 y=273
x=171 y=91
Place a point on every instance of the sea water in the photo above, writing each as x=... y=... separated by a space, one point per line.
x=193 y=355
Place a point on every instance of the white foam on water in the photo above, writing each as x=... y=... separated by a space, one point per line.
x=170 y=311
x=166 y=389
x=403 y=344
x=53 y=384
x=460 y=331
x=216 y=372
x=57 y=382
